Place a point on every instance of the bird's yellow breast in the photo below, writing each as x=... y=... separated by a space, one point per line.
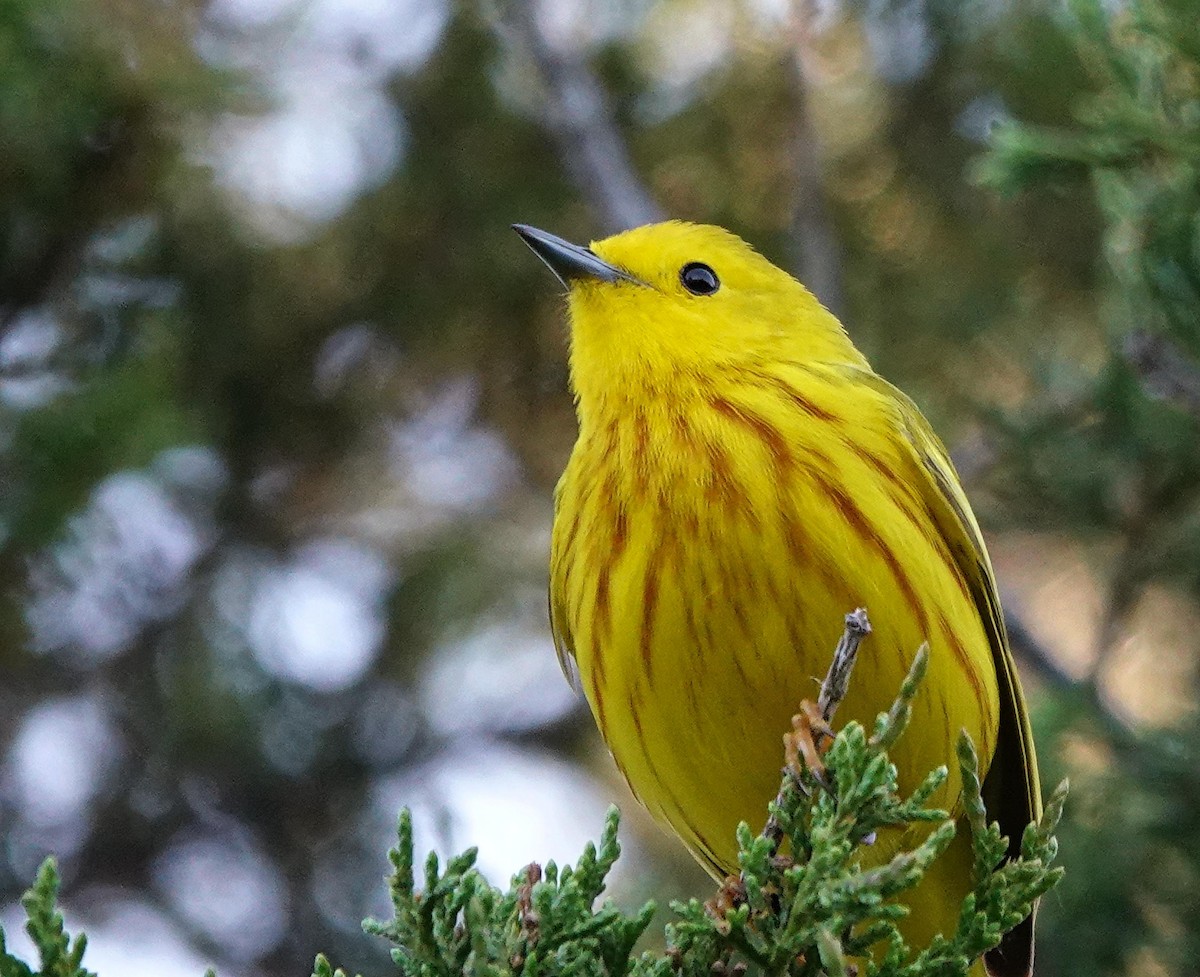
x=707 y=545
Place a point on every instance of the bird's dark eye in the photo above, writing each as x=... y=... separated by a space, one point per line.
x=699 y=279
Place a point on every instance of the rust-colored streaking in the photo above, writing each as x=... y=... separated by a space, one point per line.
x=916 y=511
x=806 y=557
x=865 y=530
x=723 y=488
x=885 y=471
x=650 y=585
x=641 y=455
x=806 y=405
x=963 y=657
x=771 y=437
x=597 y=689
x=602 y=628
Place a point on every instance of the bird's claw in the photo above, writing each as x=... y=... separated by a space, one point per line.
x=806 y=744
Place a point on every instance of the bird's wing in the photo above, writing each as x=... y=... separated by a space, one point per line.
x=564 y=645
x=1011 y=788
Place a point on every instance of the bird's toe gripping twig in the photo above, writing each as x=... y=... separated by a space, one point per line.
x=811 y=731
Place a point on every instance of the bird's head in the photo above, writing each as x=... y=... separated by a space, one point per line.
x=667 y=305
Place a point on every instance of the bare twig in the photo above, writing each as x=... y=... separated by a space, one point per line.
x=812 y=730
x=1166 y=371
x=578 y=116
x=837 y=679
x=1123 y=592
x=815 y=254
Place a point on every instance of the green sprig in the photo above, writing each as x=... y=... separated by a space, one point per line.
x=813 y=911
x=60 y=955
x=821 y=908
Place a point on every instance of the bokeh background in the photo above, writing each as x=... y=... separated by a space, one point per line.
x=283 y=400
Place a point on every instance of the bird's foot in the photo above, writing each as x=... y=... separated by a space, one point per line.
x=730 y=895
x=806 y=744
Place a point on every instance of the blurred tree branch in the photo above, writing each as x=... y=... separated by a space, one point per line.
x=96 y=177
x=580 y=119
x=578 y=115
x=1030 y=649
x=1046 y=665
x=1164 y=368
x=815 y=253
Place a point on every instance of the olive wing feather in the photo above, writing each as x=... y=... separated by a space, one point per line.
x=1011 y=788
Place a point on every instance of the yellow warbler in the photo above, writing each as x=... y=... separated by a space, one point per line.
x=742 y=478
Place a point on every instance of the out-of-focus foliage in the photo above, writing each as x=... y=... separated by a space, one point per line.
x=1113 y=450
x=1124 y=452
x=282 y=402
x=1132 y=827
x=801 y=914
x=58 y=954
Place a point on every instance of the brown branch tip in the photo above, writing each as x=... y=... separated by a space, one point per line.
x=837 y=679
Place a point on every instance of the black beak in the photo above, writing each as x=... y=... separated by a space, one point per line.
x=568 y=261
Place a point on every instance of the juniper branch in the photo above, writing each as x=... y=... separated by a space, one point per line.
x=824 y=910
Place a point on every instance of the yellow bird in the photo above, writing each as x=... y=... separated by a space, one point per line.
x=743 y=478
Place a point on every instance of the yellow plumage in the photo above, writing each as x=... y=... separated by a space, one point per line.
x=741 y=480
